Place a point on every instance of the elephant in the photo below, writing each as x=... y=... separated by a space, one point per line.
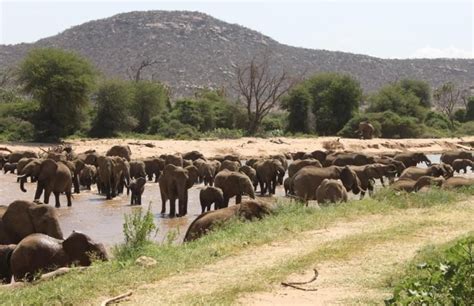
x=120 y=174
x=307 y=180
x=56 y=156
x=174 y=183
x=153 y=167
x=5 y=269
x=462 y=164
x=230 y=165
x=15 y=156
x=171 y=159
x=366 y=130
x=54 y=177
x=414 y=173
x=287 y=186
x=298 y=155
x=9 y=167
x=301 y=163
x=193 y=155
x=137 y=187
x=412 y=159
x=211 y=195
x=270 y=172
x=319 y=155
x=187 y=162
x=208 y=170
x=234 y=184
x=409 y=185
x=75 y=167
x=23 y=162
x=231 y=157
x=121 y=151
x=89 y=157
x=457 y=182
x=368 y=173
x=331 y=191
x=252 y=161
x=282 y=159
x=400 y=166
x=450 y=156
x=354 y=159
x=88 y=175
x=39 y=253
x=105 y=176
x=197 y=163
x=251 y=173
x=21 y=218
x=248 y=210
x=137 y=169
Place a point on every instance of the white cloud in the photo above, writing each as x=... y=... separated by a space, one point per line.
x=450 y=52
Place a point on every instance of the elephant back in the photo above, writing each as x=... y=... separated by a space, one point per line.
x=121 y=151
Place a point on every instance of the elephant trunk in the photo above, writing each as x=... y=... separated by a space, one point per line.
x=22 y=182
x=251 y=191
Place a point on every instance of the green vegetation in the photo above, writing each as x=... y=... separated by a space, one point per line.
x=441 y=275
x=120 y=274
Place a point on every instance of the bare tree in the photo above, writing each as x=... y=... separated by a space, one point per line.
x=447 y=98
x=134 y=72
x=261 y=88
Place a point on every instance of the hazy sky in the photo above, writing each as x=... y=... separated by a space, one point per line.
x=388 y=29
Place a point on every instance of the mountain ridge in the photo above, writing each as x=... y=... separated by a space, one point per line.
x=195 y=50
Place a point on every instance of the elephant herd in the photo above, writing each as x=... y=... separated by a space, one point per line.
x=324 y=176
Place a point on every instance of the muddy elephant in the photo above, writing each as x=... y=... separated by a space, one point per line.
x=121 y=151
x=54 y=177
x=9 y=167
x=449 y=157
x=137 y=187
x=5 y=269
x=15 y=156
x=153 y=167
x=40 y=253
x=211 y=195
x=21 y=218
x=137 y=169
x=230 y=165
x=208 y=170
x=301 y=163
x=174 y=183
x=409 y=185
x=234 y=184
x=366 y=130
x=193 y=155
x=412 y=159
x=457 y=182
x=307 y=180
x=173 y=159
x=462 y=164
x=248 y=210
x=88 y=176
x=353 y=159
x=270 y=172
x=414 y=173
x=251 y=173
x=331 y=191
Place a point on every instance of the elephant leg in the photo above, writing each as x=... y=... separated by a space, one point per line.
x=172 y=208
x=39 y=191
x=382 y=182
x=56 y=197
x=68 y=197
x=238 y=199
x=163 y=202
x=139 y=198
x=226 y=202
x=47 y=194
x=75 y=180
x=131 y=199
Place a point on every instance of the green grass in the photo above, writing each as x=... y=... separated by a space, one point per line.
x=115 y=277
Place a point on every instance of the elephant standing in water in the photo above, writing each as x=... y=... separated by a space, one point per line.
x=234 y=184
x=174 y=183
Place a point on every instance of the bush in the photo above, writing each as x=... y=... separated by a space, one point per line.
x=437 y=121
x=222 y=133
x=460 y=115
x=466 y=129
x=16 y=129
x=446 y=278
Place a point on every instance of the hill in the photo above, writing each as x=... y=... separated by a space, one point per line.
x=195 y=50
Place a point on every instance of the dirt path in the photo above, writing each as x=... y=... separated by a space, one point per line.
x=339 y=280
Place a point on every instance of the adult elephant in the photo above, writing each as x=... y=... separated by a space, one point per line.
x=22 y=218
x=331 y=191
x=385 y=160
x=89 y=157
x=462 y=164
x=121 y=151
x=234 y=184
x=193 y=155
x=173 y=159
x=414 y=173
x=120 y=175
x=301 y=163
x=270 y=172
x=88 y=176
x=105 y=176
x=251 y=173
x=457 y=182
x=353 y=159
x=75 y=166
x=411 y=159
x=450 y=156
x=40 y=253
x=137 y=169
x=208 y=170
x=15 y=156
x=153 y=167
x=282 y=159
x=307 y=180
x=409 y=185
x=54 y=177
x=366 y=130
x=174 y=183
x=23 y=162
x=248 y=210
x=230 y=165
x=368 y=173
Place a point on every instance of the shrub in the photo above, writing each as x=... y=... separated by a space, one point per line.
x=446 y=278
x=16 y=129
x=438 y=121
x=222 y=133
x=460 y=115
x=466 y=129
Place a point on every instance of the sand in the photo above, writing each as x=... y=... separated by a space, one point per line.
x=257 y=147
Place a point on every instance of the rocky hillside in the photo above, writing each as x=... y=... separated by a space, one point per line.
x=195 y=50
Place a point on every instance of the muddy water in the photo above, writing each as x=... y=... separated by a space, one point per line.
x=103 y=220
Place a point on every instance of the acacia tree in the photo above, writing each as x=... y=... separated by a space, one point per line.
x=261 y=88
x=447 y=97
x=134 y=72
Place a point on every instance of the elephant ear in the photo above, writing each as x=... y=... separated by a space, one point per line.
x=76 y=247
x=348 y=177
x=48 y=168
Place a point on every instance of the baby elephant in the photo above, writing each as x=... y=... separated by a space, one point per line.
x=211 y=195
x=9 y=167
x=137 y=188
x=331 y=191
x=459 y=164
x=40 y=253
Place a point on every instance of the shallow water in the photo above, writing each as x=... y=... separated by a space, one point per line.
x=103 y=220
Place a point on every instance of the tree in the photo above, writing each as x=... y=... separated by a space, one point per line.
x=135 y=72
x=298 y=104
x=150 y=99
x=261 y=89
x=419 y=88
x=114 y=99
x=394 y=98
x=470 y=110
x=447 y=98
x=61 y=82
